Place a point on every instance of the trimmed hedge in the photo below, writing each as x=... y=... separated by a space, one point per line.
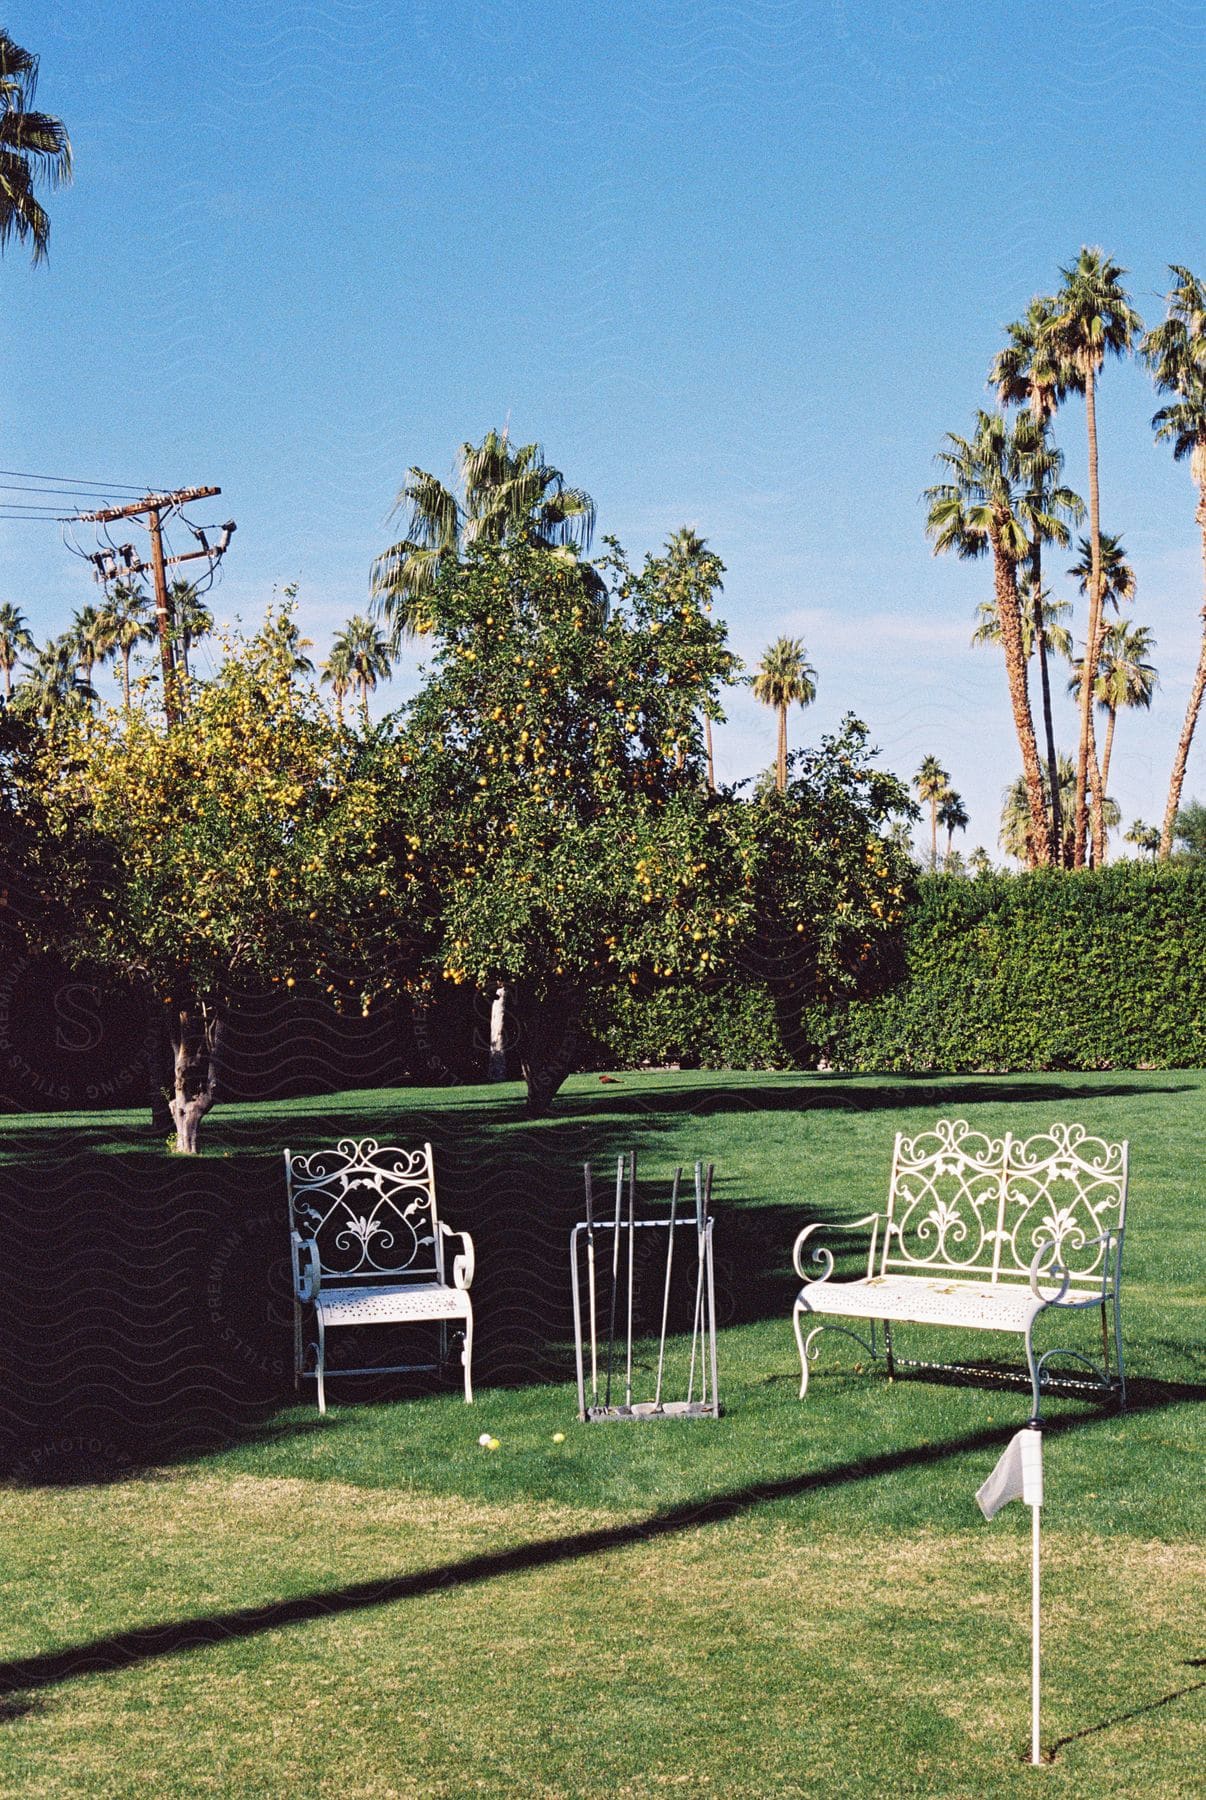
x=1085 y=970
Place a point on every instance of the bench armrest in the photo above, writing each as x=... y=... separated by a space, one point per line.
x=309 y=1270
x=462 y=1266
x=822 y=1255
x=1056 y=1269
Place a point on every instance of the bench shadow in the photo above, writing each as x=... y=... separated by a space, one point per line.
x=147 y=1643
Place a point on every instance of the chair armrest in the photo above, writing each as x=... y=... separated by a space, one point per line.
x=822 y=1255
x=462 y=1266
x=1056 y=1269
x=309 y=1274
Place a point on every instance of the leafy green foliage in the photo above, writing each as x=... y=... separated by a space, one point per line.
x=1094 y=970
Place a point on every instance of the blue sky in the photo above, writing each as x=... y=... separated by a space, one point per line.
x=737 y=265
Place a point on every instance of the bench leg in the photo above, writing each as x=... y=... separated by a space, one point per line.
x=797 y=1315
x=297 y=1347
x=322 y=1363
x=467 y=1358
x=891 y=1360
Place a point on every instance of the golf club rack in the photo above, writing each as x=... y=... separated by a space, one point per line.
x=630 y=1280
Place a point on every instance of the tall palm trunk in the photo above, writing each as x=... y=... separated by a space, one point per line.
x=8 y=681
x=125 y=675
x=1009 y=612
x=1040 y=638
x=1097 y=850
x=1196 y=692
x=933 y=833
x=1092 y=646
x=364 y=701
x=1112 y=720
x=781 y=760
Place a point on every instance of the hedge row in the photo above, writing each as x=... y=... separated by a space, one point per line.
x=1091 y=970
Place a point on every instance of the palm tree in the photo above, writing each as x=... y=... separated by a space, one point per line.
x=282 y=640
x=507 y=491
x=91 y=636
x=16 y=641
x=1016 y=823
x=691 y=564
x=1191 y=830
x=1030 y=372
x=1094 y=318
x=1124 y=679
x=34 y=148
x=933 y=784
x=784 y=678
x=1144 y=837
x=980 y=862
x=366 y=651
x=191 y=619
x=337 y=673
x=988 y=506
x=1117 y=576
x=1176 y=354
x=1053 y=613
x=128 y=623
x=952 y=816
x=54 y=681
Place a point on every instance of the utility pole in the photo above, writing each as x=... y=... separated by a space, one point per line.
x=152 y=507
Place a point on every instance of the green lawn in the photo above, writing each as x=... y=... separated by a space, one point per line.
x=217 y=1594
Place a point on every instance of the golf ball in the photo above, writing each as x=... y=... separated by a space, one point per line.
x=559 y=1437
x=484 y=1440
x=491 y=1443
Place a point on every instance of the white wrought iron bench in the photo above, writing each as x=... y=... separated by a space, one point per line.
x=368 y=1249
x=987 y=1233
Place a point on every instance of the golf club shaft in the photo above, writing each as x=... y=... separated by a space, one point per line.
x=661 y=1351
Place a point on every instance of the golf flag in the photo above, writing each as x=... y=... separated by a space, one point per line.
x=1017 y=1476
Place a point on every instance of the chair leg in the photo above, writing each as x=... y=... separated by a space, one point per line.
x=797 y=1314
x=1118 y=1355
x=297 y=1348
x=891 y=1361
x=322 y=1363
x=467 y=1358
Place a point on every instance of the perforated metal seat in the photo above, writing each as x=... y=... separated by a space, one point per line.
x=391 y=1306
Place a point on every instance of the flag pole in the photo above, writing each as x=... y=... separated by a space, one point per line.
x=1035 y=1753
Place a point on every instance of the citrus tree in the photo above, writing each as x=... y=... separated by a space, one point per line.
x=236 y=846
x=556 y=830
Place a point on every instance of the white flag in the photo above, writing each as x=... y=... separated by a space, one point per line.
x=1018 y=1475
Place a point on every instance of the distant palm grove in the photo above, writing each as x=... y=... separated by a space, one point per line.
x=1003 y=497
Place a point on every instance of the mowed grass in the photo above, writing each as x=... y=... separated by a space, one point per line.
x=799 y=1599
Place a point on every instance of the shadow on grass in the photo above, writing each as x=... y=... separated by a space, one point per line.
x=148 y=1310
x=1136 y=1712
x=148 y=1643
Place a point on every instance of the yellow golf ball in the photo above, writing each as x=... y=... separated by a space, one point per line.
x=559 y=1437
x=492 y=1444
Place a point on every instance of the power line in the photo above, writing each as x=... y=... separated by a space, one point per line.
x=80 y=481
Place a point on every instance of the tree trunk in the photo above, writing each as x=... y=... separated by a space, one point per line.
x=933 y=834
x=781 y=758
x=125 y=677
x=547 y=1029
x=498 y=1034
x=1040 y=639
x=1112 y=720
x=364 y=703
x=1096 y=787
x=1091 y=651
x=197 y=1029
x=1009 y=613
x=1194 y=707
x=708 y=745
x=8 y=681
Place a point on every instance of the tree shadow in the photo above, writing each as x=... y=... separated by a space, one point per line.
x=148 y=1311
x=147 y=1643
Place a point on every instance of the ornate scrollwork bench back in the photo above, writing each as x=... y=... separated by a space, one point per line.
x=368 y=1246
x=983 y=1231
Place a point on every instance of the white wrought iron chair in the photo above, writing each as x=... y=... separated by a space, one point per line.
x=368 y=1249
